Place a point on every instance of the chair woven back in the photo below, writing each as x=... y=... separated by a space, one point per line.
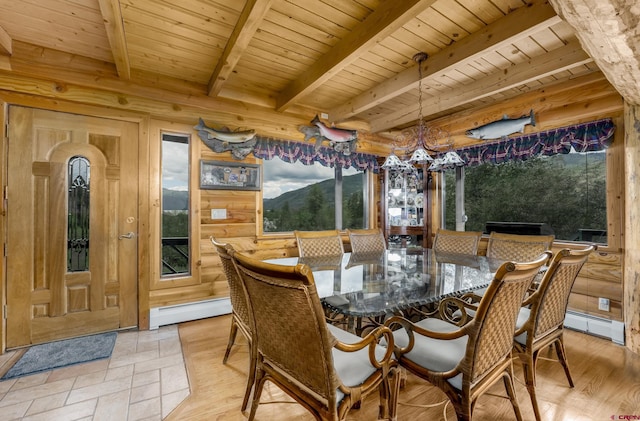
x=319 y=243
x=517 y=248
x=491 y=333
x=367 y=241
x=239 y=305
x=550 y=307
x=289 y=322
x=542 y=317
x=456 y=242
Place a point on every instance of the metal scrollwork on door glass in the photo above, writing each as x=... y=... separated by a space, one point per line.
x=78 y=218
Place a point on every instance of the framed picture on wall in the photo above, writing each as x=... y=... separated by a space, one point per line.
x=222 y=175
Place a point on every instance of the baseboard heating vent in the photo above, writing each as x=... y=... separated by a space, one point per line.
x=161 y=316
x=610 y=329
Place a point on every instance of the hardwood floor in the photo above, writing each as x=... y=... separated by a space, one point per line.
x=606 y=375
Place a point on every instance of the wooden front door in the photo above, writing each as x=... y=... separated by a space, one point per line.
x=72 y=217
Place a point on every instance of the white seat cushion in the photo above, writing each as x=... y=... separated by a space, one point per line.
x=352 y=368
x=433 y=354
x=523 y=316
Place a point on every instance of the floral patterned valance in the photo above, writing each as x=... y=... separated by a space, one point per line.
x=268 y=148
x=586 y=137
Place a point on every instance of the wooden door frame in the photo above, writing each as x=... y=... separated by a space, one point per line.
x=143 y=267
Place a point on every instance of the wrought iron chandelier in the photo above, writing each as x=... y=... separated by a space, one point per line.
x=420 y=141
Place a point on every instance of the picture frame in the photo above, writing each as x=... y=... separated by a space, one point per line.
x=224 y=175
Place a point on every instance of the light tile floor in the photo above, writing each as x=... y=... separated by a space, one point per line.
x=145 y=379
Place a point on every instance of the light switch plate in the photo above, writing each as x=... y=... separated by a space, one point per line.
x=218 y=214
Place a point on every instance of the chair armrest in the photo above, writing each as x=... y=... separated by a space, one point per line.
x=471 y=297
x=412 y=329
x=372 y=340
x=450 y=307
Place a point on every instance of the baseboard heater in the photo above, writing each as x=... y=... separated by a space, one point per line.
x=597 y=326
x=161 y=316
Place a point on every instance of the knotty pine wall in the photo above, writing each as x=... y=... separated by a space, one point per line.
x=582 y=99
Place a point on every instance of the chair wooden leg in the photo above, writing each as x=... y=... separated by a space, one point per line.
x=252 y=375
x=562 y=357
x=259 y=385
x=232 y=338
x=511 y=391
x=529 y=368
x=389 y=390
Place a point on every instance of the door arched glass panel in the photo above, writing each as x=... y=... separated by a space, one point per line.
x=78 y=200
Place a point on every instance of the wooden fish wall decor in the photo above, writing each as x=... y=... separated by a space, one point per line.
x=240 y=143
x=343 y=141
x=502 y=128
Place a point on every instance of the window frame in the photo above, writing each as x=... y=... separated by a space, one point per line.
x=369 y=214
x=155 y=157
x=615 y=203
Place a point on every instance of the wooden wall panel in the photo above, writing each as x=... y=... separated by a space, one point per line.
x=598 y=288
x=589 y=304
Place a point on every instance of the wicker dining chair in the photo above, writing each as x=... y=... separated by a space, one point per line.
x=457 y=242
x=465 y=362
x=239 y=313
x=319 y=243
x=366 y=241
x=516 y=247
x=541 y=319
x=326 y=369
x=500 y=248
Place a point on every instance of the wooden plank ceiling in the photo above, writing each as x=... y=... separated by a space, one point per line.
x=350 y=59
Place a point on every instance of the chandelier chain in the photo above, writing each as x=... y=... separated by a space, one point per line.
x=418 y=137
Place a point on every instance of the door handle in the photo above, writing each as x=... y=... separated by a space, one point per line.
x=128 y=235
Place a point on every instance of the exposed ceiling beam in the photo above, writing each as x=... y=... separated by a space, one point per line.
x=608 y=31
x=560 y=59
x=6 y=49
x=248 y=23
x=112 y=16
x=387 y=18
x=515 y=26
x=5 y=42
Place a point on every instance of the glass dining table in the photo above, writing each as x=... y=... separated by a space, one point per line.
x=361 y=290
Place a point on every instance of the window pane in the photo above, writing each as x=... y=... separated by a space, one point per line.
x=302 y=197
x=175 y=205
x=353 y=208
x=449 y=192
x=78 y=219
x=563 y=194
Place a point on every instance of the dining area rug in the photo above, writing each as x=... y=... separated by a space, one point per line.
x=58 y=354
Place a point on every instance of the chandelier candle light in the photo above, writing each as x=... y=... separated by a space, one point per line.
x=417 y=138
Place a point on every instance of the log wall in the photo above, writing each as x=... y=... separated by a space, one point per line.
x=631 y=273
x=582 y=99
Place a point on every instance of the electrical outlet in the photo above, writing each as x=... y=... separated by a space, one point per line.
x=603 y=304
x=218 y=214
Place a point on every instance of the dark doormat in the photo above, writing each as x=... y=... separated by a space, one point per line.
x=60 y=354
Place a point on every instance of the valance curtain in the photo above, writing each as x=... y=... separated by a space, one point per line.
x=586 y=137
x=269 y=148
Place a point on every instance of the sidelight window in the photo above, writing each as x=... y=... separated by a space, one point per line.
x=175 y=255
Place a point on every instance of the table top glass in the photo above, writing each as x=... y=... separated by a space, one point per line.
x=398 y=279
